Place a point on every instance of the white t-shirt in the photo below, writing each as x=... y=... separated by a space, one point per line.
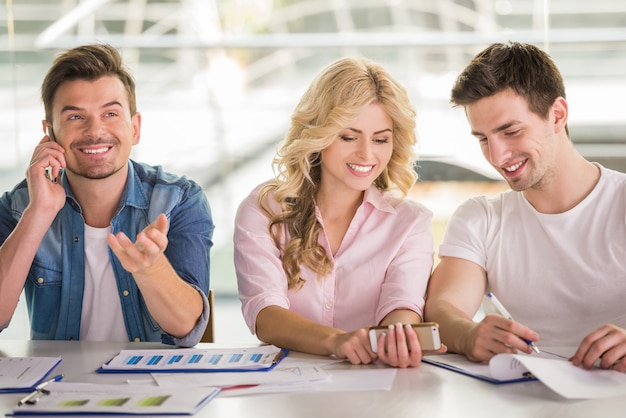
x=101 y=318
x=563 y=275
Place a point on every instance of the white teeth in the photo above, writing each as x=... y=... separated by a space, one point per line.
x=514 y=167
x=361 y=168
x=96 y=151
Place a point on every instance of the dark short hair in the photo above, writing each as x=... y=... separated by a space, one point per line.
x=524 y=68
x=87 y=62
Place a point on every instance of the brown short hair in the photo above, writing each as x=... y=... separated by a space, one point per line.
x=524 y=68
x=87 y=62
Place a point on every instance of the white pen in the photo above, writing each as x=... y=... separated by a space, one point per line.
x=502 y=310
x=33 y=397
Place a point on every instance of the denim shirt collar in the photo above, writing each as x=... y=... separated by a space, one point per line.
x=133 y=195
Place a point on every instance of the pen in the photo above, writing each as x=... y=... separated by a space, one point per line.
x=32 y=397
x=500 y=307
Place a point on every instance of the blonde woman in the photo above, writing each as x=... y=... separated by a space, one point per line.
x=331 y=246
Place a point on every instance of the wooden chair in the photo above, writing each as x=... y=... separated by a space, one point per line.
x=208 y=336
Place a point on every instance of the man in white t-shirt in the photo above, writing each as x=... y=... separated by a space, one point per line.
x=553 y=249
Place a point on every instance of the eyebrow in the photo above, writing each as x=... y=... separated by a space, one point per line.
x=358 y=131
x=104 y=106
x=499 y=128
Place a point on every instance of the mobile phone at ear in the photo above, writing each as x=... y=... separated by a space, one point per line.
x=49 y=168
x=427 y=334
x=50 y=176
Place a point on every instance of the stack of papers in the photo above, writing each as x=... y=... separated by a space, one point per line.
x=279 y=380
x=300 y=374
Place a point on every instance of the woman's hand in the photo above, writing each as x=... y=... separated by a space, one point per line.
x=400 y=347
x=354 y=346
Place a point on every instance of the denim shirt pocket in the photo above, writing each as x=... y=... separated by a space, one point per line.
x=43 y=297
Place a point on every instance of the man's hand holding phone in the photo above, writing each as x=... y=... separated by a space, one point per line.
x=46 y=163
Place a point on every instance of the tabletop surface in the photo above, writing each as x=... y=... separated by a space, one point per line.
x=427 y=391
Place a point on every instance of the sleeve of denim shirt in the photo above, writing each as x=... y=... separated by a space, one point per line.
x=7 y=225
x=189 y=242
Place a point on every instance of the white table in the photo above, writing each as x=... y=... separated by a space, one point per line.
x=427 y=391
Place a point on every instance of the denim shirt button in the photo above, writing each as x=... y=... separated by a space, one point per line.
x=76 y=239
x=137 y=339
x=125 y=292
x=40 y=280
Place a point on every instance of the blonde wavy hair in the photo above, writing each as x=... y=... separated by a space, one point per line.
x=333 y=101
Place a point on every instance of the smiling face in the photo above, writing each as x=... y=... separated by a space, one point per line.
x=91 y=120
x=359 y=154
x=519 y=144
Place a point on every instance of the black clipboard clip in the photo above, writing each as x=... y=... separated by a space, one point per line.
x=279 y=356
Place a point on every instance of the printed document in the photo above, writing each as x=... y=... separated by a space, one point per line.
x=196 y=360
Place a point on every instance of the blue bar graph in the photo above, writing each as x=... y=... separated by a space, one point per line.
x=154 y=360
x=175 y=359
x=134 y=360
x=215 y=359
x=195 y=358
x=235 y=358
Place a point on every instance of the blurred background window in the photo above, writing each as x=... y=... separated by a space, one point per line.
x=217 y=80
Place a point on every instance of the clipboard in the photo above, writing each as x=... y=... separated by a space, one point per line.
x=460 y=364
x=190 y=360
x=24 y=374
x=86 y=399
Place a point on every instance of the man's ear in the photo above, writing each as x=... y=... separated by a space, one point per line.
x=560 y=112
x=136 y=123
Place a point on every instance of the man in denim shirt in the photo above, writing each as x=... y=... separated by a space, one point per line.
x=106 y=248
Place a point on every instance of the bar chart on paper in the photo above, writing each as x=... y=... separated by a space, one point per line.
x=214 y=359
x=198 y=360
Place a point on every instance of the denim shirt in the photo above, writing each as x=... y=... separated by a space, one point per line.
x=55 y=283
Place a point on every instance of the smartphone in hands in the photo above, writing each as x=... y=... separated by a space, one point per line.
x=427 y=334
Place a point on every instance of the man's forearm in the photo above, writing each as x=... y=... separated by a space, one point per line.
x=454 y=325
x=172 y=302
x=16 y=257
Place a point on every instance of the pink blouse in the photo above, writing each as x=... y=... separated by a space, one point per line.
x=382 y=264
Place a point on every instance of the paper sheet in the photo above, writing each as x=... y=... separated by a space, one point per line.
x=562 y=376
x=280 y=374
x=293 y=375
x=342 y=380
